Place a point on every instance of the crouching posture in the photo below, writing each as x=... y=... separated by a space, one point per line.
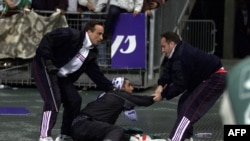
x=196 y=76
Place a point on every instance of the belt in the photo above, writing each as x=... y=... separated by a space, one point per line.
x=79 y=118
x=221 y=70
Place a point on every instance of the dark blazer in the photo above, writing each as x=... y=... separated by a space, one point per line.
x=186 y=69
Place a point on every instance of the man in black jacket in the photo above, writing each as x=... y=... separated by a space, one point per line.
x=62 y=56
x=96 y=121
x=198 y=76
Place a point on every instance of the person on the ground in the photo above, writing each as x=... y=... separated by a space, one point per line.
x=196 y=76
x=96 y=121
x=61 y=57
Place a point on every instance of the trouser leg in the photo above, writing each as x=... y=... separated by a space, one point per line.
x=71 y=104
x=195 y=104
x=115 y=134
x=50 y=113
x=91 y=130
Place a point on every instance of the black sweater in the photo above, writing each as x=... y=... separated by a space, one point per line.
x=186 y=69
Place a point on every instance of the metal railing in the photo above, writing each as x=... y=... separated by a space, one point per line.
x=139 y=77
x=199 y=33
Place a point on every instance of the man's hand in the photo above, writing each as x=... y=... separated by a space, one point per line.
x=11 y=4
x=159 y=89
x=148 y=13
x=157 y=93
x=90 y=6
x=153 y=5
x=135 y=13
x=157 y=97
x=61 y=11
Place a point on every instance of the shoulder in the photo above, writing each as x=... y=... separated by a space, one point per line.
x=188 y=49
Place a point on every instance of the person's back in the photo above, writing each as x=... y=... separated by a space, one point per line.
x=107 y=108
x=199 y=64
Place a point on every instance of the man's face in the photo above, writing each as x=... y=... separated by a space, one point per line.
x=128 y=87
x=97 y=35
x=166 y=47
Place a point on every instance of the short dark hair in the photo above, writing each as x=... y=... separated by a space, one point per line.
x=91 y=25
x=171 y=36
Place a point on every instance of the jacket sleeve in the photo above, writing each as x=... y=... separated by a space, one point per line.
x=82 y=2
x=177 y=86
x=142 y=100
x=138 y=100
x=164 y=78
x=95 y=74
x=138 y=5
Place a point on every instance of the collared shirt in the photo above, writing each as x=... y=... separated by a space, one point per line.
x=76 y=62
x=87 y=43
x=172 y=52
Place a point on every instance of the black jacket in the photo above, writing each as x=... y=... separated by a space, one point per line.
x=61 y=45
x=109 y=106
x=186 y=69
x=49 y=4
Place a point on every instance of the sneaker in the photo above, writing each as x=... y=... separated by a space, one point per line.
x=46 y=139
x=64 y=138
